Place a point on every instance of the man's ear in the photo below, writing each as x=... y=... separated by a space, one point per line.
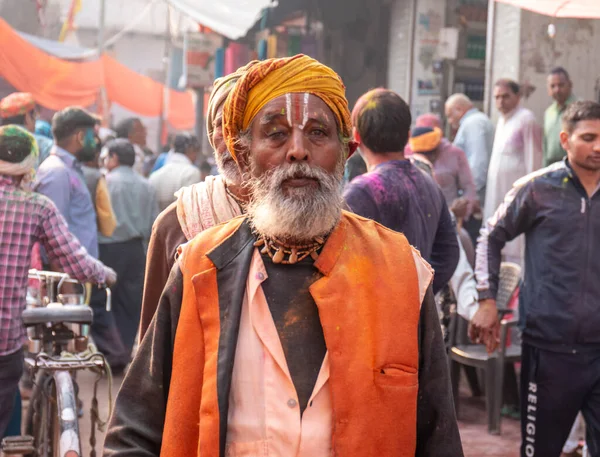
x=356 y=136
x=352 y=147
x=564 y=139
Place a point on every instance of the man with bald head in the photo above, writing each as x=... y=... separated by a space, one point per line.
x=474 y=135
x=298 y=329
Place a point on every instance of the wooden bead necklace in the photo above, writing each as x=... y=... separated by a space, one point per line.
x=287 y=254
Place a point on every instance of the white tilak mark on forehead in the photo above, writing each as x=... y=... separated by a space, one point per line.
x=288 y=108
x=305 y=112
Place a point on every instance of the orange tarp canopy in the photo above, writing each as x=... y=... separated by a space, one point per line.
x=585 y=9
x=54 y=83
x=144 y=96
x=57 y=83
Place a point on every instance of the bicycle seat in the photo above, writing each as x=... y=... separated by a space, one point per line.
x=73 y=314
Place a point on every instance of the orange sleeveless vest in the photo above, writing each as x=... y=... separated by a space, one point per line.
x=368 y=300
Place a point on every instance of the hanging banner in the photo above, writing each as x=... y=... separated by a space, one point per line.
x=199 y=51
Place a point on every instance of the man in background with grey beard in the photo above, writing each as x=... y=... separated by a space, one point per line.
x=197 y=207
x=298 y=329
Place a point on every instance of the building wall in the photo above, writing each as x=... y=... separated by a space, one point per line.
x=524 y=52
x=355 y=44
x=505 y=49
x=427 y=83
x=23 y=16
x=574 y=47
x=399 y=50
x=424 y=91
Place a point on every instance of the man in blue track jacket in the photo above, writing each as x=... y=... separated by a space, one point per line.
x=558 y=210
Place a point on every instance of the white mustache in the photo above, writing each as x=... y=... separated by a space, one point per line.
x=296 y=171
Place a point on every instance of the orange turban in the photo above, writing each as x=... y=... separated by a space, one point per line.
x=425 y=139
x=273 y=78
x=16 y=104
x=221 y=88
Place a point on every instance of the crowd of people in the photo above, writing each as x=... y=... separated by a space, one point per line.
x=294 y=303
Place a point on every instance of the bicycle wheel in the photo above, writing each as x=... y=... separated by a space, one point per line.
x=52 y=416
x=40 y=415
x=67 y=443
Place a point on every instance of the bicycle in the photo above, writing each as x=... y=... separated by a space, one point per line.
x=58 y=327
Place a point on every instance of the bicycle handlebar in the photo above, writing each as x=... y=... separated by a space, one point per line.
x=108 y=299
x=39 y=274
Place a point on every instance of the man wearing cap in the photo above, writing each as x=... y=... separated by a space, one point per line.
x=298 y=329
x=61 y=178
x=394 y=192
x=26 y=218
x=198 y=207
x=19 y=108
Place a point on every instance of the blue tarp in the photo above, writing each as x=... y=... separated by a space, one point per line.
x=60 y=50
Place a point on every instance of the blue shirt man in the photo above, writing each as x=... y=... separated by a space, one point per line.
x=61 y=179
x=475 y=136
x=60 y=176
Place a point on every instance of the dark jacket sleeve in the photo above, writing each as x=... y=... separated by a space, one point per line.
x=445 y=251
x=513 y=217
x=137 y=421
x=166 y=237
x=437 y=429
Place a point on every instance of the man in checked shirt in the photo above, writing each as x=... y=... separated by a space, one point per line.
x=25 y=218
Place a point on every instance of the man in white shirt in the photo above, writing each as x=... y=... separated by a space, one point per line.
x=517 y=152
x=179 y=170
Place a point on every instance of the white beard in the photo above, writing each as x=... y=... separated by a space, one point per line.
x=228 y=168
x=298 y=215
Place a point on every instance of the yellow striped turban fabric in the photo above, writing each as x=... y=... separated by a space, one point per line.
x=221 y=88
x=273 y=78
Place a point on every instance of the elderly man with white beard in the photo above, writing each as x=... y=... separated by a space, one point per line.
x=298 y=329
x=198 y=207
